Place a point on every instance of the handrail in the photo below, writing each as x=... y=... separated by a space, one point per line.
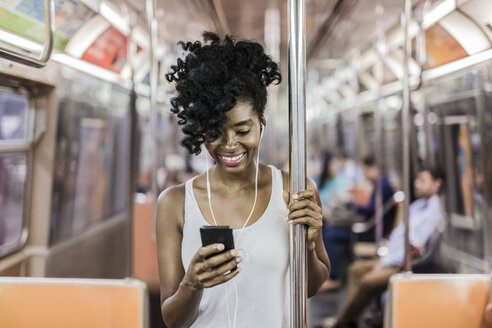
x=297 y=158
x=405 y=123
x=154 y=85
x=23 y=58
x=360 y=227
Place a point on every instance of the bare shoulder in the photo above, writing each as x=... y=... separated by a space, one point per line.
x=172 y=196
x=170 y=206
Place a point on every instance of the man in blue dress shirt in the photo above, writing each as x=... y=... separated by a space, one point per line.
x=368 y=278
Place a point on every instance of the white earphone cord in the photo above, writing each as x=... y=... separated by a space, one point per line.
x=209 y=194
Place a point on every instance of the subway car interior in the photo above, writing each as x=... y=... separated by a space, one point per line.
x=394 y=104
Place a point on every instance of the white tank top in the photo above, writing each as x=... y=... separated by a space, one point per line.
x=263 y=283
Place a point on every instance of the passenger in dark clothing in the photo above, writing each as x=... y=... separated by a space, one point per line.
x=337 y=239
x=371 y=172
x=369 y=211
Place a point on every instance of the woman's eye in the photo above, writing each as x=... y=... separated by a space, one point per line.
x=243 y=133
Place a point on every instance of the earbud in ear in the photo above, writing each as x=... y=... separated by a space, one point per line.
x=262 y=127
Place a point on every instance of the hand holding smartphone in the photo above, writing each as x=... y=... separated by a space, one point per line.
x=212 y=265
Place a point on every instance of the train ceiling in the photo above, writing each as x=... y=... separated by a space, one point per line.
x=332 y=26
x=338 y=32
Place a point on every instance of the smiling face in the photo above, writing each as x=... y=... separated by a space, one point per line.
x=236 y=148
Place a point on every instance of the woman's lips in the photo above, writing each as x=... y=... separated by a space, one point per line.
x=232 y=160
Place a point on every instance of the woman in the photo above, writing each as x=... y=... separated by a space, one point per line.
x=331 y=189
x=330 y=184
x=221 y=96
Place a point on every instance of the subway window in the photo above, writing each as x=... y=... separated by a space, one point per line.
x=91 y=171
x=15 y=152
x=459 y=131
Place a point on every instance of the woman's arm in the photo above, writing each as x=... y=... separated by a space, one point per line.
x=307 y=210
x=181 y=292
x=179 y=303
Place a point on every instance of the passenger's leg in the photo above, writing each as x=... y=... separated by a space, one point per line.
x=365 y=286
x=355 y=274
x=334 y=239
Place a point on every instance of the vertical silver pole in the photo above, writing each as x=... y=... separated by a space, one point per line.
x=378 y=149
x=269 y=152
x=421 y=59
x=154 y=79
x=405 y=120
x=482 y=129
x=297 y=163
x=133 y=153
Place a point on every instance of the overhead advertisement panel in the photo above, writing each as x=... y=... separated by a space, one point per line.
x=26 y=18
x=108 y=51
x=442 y=47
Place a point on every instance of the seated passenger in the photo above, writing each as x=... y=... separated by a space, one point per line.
x=337 y=232
x=371 y=172
x=330 y=184
x=350 y=172
x=370 y=277
x=331 y=191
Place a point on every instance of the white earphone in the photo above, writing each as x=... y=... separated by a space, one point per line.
x=209 y=196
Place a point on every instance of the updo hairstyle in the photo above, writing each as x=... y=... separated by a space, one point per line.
x=212 y=78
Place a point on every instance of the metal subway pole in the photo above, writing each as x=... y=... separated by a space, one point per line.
x=297 y=163
x=405 y=121
x=421 y=59
x=134 y=140
x=378 y=148
x=154 y=80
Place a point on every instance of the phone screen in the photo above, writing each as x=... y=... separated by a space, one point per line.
x=217 y=234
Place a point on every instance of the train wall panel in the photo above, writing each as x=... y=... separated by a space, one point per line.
x=13 y=271
x=100 y=255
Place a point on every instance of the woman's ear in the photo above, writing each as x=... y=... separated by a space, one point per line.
x=262 y=123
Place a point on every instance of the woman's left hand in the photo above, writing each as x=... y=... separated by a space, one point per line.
x=305 y=210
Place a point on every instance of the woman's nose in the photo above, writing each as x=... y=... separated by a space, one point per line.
x=230 y=141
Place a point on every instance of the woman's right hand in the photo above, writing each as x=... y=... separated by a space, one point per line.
x=207 y=270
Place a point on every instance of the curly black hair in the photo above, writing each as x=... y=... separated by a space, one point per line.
x=210 y=80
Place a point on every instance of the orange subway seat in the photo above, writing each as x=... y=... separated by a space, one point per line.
x=75 y=303
x=435 y=301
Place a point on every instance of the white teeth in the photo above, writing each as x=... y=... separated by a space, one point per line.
x=232 y=159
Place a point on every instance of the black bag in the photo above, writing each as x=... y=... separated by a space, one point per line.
x=344 y=216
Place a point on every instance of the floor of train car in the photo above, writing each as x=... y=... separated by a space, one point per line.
x=321 y=306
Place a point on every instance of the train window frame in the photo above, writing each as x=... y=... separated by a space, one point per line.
x=459 y=224
x=459 y=220
x=487 y=143
x=21 y=146
x=100 y=107
x=436 y=107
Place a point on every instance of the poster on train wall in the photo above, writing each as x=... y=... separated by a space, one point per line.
x=465 y=169
x=91 y=189
x=26 y=18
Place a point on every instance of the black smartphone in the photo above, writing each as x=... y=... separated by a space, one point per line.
x=217 y=234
